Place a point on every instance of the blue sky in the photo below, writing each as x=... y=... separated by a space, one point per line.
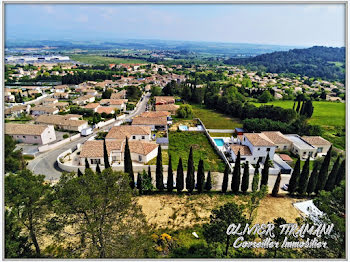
x=282 y=24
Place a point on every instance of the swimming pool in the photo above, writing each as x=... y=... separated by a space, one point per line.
x=183 y=128
x=219 y=141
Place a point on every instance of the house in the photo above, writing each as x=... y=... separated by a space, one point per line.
x=120 y=95
x=116 y=103
x=140 y=133
x=44 y=110
x=301 y=147
x=16 y=111
x=60 y=95
x=246 y=154
x=49 y=101
x=83 y=100
x=172 y=108
x=92 y=106
x=65 y=122
x=156 y=123
x=31 y=134
x=61 y=105
x=155 y=114
x=164 y=100
x=239 y=131
x=281 y=141
x=60 y=88
x=322 y=145
x=9 y=97
x=105 y=109
x=140 y=151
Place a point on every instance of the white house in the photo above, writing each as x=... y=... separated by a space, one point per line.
x=301 y=147
x=31 y=134
x=133 y=133
x=322 y=145
x=64 y=122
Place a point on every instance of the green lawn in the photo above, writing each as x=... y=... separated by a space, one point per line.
x=215 y=120
x=179 y=146
x=98 y=60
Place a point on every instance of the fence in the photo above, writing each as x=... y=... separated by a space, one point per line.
x=221 y=130
x=45 y=148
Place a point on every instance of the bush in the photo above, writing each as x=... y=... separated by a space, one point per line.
x=65 y=136
x=185 y=111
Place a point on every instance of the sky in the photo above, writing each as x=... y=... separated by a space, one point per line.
x=279 y=24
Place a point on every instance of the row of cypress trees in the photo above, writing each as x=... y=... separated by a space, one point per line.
x=237 y=185
x=302 y=182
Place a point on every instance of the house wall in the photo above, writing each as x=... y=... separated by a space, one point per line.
x=28 y=139
x=303 y=153
x=283 y=147
x=322 y=149
x=250 y=159
x=259 y=151
x=49 y=135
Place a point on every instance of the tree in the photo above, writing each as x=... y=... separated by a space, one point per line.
x=220 y=219
x=225 y=179
x=87 y=165
x=149 y=175
x=265 y=97
x=208 y=185
x=236 y=175
x=276 y=187
x=170 y=182
x=25 y=196
x=304 y=177
x=308 y=109
x=245 y=178
x=98 y=169
x=159 y=170
x=330 y=184
x=128 y=164
x=190 y=172
x=254 y=201
x=200 y=176
x=103 y=210
x=105 y=155
x=79 y=173
x=146 y=182
x=313 y=180
x=256 y=179
x=179 y=176
x=185 y=111
x=294 y=178
x=14 y=160
x=340 y=174
x=139 y=183
x=323 y=174
x=265 y=172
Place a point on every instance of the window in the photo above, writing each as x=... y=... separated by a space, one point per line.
x=114 y=158
x=24 y=136
x=304 y=153
x=319 y=149
x=268 y=149
x=285 y=147
x=133 y=137
x=35 y=137
x=243 y=158
x=258 y=148
x=140 y=158
x=143 y=137
x=95 y=161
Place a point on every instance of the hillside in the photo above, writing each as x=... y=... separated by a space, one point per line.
x=317 y=61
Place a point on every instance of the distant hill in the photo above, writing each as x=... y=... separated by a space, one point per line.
x=317 y=61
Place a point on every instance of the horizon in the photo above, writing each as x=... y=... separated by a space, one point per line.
x=304 y=25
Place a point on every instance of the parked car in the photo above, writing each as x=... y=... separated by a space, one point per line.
x=285 y=187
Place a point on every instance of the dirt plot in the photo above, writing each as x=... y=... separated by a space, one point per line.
x=180 y=211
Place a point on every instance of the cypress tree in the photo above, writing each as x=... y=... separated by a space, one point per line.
x=276 y=187
x=225 y=179
x=190 y=173
x=80 y=174
x=87 y=165
x=265 y=172
x=309 y=109
x=159 y=170
x=105 y=155
x=304 y=177
x=236 y=175
x=179 y=176
x=256 y=179
x=200 y=176
x=245 y=178
x=330 y=184
x=298 y=106
x=149 y=174
x=98 y=169
x=340 y=174
x=170 y=181
x=139 y=182
x=294 y=106
x=208 y=182
x=323 y=174
x=294 y=178
x=313 y=180
x=302 y=108
x=128 y=164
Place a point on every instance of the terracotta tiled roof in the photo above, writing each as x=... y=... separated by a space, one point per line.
x=47 y=109
x=245 y=151
x=92 y=148
x=113 y=101
x=316 y=140
x=159 y=121
x=24 y=129
x=105 y=109
x=155 y=114
x=277 y=137
x=258 y=139
x=285 y=157
x=60 y=120
x=168 y=107
x=164 y=99
x=120 y=132
x=142 y=148
x=92 y=105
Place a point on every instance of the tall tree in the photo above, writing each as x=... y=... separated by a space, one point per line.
x=149 y=173
x=128 y=169
x=236 y=175
x=304 y=177
x=170 y=181
x=330 y=184
x=294 y=178
x=256 y=178
x=208 y=185
x=139 y=183
x=276 y=187
x=159 y=170
x=190 y=172
x=179 y=176
x=298 y=106
x=245 y=178
x=313 y=180
x=200 y=176
x=25 y=196
x=105 y=155
x=98 y=169
x=323 y=174
x=265 y=172
x=309 y=109
x=340 y=174
x=225 y=179
x=79 y=173
x=87 y=165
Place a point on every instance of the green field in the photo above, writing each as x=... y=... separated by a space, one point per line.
x=215 y=120
x=101 y=60
x=329 y=115
x=179 y=146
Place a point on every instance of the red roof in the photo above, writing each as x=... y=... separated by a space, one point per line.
x=286 y=157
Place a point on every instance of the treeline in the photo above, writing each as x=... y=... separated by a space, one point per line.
x=312 y=62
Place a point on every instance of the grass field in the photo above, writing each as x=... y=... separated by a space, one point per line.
x=101 y=60
x=215 y=120
x=179 y=146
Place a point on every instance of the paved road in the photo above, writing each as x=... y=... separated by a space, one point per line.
x=45 y=163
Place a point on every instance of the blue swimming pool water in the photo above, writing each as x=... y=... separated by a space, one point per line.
x=183 y=128
x=219 y=141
